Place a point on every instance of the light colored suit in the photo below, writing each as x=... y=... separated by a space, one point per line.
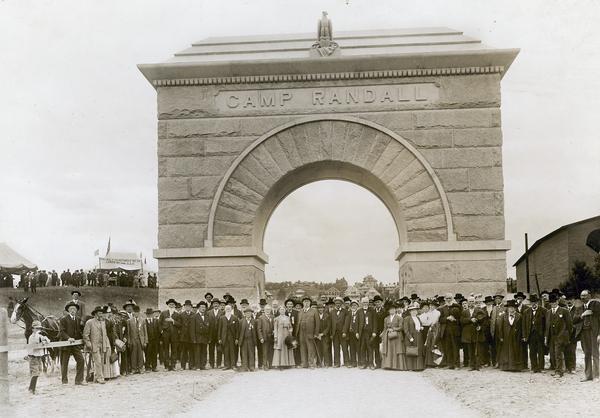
x=96 y=341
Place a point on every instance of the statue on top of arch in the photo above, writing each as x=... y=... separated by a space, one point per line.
x=325 y=46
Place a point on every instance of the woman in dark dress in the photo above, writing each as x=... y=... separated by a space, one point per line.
x=413 y=337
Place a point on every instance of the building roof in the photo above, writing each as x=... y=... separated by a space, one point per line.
x=551 y=234
x=384 y=49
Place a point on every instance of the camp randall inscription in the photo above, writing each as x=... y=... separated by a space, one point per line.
x=412 y=115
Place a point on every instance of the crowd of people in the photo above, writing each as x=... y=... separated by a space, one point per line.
x=30 y=281
x=449 y=331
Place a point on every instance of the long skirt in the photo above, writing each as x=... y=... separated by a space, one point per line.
x=109 y=369
x=416 y=363
x=393 y=354
x=283 y=357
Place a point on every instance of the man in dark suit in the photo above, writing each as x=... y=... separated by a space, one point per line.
x=369 y=331
x=228 y=337
x=306 y=332
x=379 y=315
x=169 y=323
x=215 y=355
x=521 y=309
x=292 y=313
x=354 y=326
x=69 y=329
x=571 y=349
x=450 y=331
x=247 y=340
x=558 y=330
x=186 y=347
x=590 y=329
x=472 y=321
x=264 y=325
x=339 y=332
x=153 y=332
x=534 y=327
x=323 y=338
x=200 y=335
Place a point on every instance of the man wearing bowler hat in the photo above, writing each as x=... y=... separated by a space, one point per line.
x=76 y=295
x=69 y=329
x=558 y=332
x=186 y=348
x=215 y=355
x=521 y=308
x=534 y=327
x=153 y=332
x=339 y=331
x=306 y=332
x=200 y=335
x=169 y=323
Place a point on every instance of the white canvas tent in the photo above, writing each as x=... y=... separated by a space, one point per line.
x=12 y=262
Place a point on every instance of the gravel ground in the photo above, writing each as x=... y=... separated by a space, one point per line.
x=493 y=393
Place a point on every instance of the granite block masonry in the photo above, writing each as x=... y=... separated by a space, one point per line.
x=411 y=115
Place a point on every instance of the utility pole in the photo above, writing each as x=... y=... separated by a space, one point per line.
x=527 y=262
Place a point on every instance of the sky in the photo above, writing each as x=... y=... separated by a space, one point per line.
x=78 y=124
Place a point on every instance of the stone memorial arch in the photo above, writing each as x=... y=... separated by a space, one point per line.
x=411 y=115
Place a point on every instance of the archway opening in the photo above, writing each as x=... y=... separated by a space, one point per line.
x=329 y=229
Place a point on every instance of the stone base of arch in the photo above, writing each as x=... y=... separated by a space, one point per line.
x=188 y=273
x=425 y=268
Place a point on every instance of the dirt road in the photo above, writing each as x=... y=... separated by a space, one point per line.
x=328 y=392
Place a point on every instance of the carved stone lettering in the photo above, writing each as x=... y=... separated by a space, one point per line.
x=385 y=96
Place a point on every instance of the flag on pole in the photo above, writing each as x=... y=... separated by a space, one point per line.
x=96 y=253
x=108 y=246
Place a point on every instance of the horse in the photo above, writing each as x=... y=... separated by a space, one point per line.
x=25 y=313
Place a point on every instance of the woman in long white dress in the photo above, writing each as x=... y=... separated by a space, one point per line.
x=282 y=328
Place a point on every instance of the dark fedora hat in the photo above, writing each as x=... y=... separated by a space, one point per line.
x=208 y=294
x=262 y=302
x=187 y=303
x=76 y=291
x=511 y=302
x=414 y=296
x=130 y=302
x=498 y=296
x=288 y=300
x=97 y=309
x=173 y=301
x=149 y=311
x=519 y=295
x=215 y=300
x=244 y=302
x=202 y=302
x=534 y=298
x=68 y=305
x=553 y=297
x=307 y=298
x=488 y=299
x=376 y=298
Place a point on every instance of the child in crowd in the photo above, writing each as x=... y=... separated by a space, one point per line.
x=36 y=354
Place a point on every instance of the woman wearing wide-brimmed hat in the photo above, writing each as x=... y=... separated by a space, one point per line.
x=283 y=355
x=392 y=339
x=413 y=339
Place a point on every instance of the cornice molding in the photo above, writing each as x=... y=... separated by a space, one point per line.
x=359 y=75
